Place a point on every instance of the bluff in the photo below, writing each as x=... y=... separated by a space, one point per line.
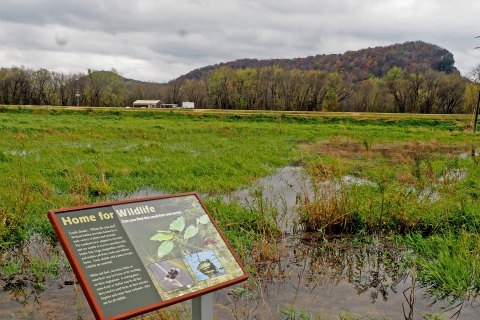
x=353 y=65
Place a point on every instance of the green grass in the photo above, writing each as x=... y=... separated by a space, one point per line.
x=54 y=158
x=448 y=264
x=61 y=157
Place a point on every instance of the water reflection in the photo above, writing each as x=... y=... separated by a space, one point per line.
x=282 y=190
x=372 y=267
x=335 y=277
x=53 y=303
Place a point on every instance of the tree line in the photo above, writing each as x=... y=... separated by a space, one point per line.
x=24 y=86
x=414 y=90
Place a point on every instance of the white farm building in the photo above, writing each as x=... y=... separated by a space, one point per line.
x=188 y=105
x=149 y=104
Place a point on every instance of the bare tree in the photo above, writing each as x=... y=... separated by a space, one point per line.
x=174 y=91
x=429 y=95
x=474 y=74
x=451 y=92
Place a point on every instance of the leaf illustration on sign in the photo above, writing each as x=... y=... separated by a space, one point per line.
x=164 y=248
x=190 y=232
x=161 y=236
x=204 y=219
x=178 y=224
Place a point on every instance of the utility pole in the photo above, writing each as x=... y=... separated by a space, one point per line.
x=478 y=102
x=476 y=114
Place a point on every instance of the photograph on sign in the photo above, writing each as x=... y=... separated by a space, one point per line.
x=171 y=274
x=138 y=255
x=205 y=264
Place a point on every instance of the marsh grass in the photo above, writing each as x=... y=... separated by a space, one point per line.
x=402 y=183
x=247 y=302
x=292 y=314
x=252 y=229
x=427 y=194
x=32 y=266
x=449 y=264
x=176 y=312
x=65 y=160
x=328 y=209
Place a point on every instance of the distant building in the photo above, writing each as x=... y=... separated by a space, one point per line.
x=188 y=105
x=149 y=104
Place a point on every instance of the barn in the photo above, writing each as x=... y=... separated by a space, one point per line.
x=148 y=104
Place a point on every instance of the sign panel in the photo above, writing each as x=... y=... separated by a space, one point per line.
x=135 y=256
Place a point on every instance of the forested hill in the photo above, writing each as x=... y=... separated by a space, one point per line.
x=353 y=65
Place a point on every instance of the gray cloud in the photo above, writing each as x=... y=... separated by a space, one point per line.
x=161 y=40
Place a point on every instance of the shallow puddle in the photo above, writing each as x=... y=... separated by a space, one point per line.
x=57 y=301
x=143 y=193
x=281 y=190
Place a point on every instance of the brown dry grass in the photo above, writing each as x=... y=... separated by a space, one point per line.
x=397 y=153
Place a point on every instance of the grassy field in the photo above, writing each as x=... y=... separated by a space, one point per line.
x=409 y=178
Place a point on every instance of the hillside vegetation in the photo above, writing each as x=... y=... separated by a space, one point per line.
x=413 y=77
x=355 y=65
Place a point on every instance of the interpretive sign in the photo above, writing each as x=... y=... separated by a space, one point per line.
x=135 y=256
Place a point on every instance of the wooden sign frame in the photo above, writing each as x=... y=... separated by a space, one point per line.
x=135 y=256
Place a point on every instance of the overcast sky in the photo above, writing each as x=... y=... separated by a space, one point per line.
x=159 y=40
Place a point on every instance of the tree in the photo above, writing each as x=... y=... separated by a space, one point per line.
x=105 y=88
x=474 y=74
x=96 y=84
x=16 y=86
x=397 y=86
x=336 y=93
x=43 y=88
x=470 y=98
x=219 y=88
x=289 y=87
x=451 y=92
x=59 y=83
x=245 y=85
x=77 y=84
x=195 y=91
x=429 y=93
x=174 y=91
x=415 y=81
x=113 y=94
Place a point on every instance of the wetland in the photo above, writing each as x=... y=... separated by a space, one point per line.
x=333 y=215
